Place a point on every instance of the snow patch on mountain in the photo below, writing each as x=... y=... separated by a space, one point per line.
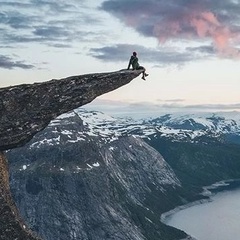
x=177 y=127
x=180 y=127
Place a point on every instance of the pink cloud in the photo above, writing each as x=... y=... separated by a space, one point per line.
x=164 y=33
x=203 y=25
x=210 y=17
x=191 y=20
x=207 y=25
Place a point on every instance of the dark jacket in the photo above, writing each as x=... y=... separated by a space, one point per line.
x=134 y=62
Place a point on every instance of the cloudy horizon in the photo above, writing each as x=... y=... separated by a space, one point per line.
x=148 y=109
x=190 y=49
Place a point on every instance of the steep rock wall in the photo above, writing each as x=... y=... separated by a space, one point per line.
x=89 y=188
x=12 y=227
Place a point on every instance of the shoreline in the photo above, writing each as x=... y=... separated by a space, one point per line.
x=209 y=192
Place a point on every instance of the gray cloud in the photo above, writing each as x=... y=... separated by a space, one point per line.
x=215 y=106
x=8 y=63
x=51 y=32
x=175 y=100
x=202 y=49
x=60 y=45
x=154 y=106
x=15 y=20
x=212 y=20
x=146 y=109
x=161 y=57
x=53 y=23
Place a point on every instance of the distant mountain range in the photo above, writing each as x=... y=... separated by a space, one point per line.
x=177 y=127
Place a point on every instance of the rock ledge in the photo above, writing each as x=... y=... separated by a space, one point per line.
x=27 y=109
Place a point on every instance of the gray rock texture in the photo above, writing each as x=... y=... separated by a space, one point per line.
x=11 y=225
x=69 y=183
x=27 y=109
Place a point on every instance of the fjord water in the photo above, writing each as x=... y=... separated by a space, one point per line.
x=215 y=220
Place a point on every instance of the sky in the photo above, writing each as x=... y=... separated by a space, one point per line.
x=190 y=48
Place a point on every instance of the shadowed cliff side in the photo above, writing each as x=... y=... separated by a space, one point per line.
x=12 y=227
x=27 y=109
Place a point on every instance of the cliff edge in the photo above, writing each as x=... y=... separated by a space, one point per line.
x=27 y=109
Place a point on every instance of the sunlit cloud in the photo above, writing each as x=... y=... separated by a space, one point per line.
x=206 y=20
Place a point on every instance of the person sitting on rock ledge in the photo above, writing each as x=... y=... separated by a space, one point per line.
x=135 y=65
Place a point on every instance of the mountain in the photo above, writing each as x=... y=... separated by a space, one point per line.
x=93 y=176
x=71 y=182
x=177 y=127
x=201 y=148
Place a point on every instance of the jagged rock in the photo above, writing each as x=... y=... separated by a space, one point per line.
x=27 y=109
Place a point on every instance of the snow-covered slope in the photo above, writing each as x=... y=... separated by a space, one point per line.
x=178 y=127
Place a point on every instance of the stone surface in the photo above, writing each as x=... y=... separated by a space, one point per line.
x=11 y=224
x=90 y=188
x=27 y=109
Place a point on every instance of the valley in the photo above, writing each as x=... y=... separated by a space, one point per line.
x=97 y=177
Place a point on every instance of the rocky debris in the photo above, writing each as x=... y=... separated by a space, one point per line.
x=28 y=108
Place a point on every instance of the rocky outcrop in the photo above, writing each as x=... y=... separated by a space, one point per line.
x=27 y=109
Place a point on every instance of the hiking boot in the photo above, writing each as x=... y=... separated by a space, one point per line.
x=143 y=78
x=146 y=74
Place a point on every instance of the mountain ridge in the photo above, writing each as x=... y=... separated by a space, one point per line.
x=175 y=127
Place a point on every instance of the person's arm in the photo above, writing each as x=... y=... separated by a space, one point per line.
x=130 y=62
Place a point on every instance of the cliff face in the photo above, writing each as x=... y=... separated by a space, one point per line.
x=12 y=227
x=27 y=109
x=90 y=188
